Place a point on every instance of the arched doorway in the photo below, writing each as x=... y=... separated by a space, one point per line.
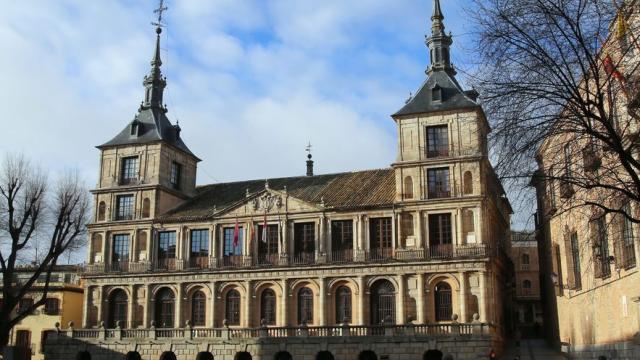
x=283 y=355
x=168 y=355
x=165 y=302
x=383 y=303
x=325 y=355
x=133 y=355
x=242 y=355
x=204 y=355
x=83 y=355
x=432 y=355
x=443 y=301
x=118 y=303
x=367 y=355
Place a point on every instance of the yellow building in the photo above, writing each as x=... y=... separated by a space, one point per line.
x=63 y=305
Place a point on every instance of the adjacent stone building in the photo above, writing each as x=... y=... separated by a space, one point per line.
x=589 y=257
x=346 y=262
x=524 y=255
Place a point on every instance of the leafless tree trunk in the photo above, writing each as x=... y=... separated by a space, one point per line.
x=562 y=70
x=29 y=204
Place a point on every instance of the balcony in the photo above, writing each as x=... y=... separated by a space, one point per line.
x=128 y=181
x=123 y=217
x=437 y=153
x=439 y=194
x=444 y=252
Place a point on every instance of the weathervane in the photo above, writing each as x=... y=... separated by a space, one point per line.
x=161 y=8
x=308 y=148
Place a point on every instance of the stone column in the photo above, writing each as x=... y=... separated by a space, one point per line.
x=85 y=307
x=146 y=322
x=100 y=301
x=285 y=236
x=400 y=306
x=394 y=231
x=463 y=297
x=322 y=321
x=360 y=300
x=321 y=237
x=482 y=301
x=420 y=309
x=213 y=254
x=132 y=245
x=178 y=308
x=459 y=239
x=247 y=304
x=212 y=305
x=130 y=307
x=420 y=239
x=284 y=302
x=105 y=240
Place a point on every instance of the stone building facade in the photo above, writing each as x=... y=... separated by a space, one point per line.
x=422 y=243
x=524 y=255
x=589 y=259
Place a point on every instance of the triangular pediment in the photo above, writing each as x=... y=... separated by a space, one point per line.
x=269 y=201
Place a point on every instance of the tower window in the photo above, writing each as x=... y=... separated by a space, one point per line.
x=176 y=173
x=437 y=141
x=438 y=186
x=134 y=128
x=129 y=171
x=125 y=207
x=436 y=93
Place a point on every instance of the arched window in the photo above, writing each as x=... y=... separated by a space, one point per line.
x=102 y=210
x=232 y=307
x=468 y=183
x=268 y=307
x=204 y=355
x=324 y=355
x=165 y=305
x=146 y=208
x=367 y=355
x=305 y=306
x=96 y=246
x=198 y=308
x=118 y=304
x=408 y=187
x=524 y=260
x=242 y=355
x=383 y=303
x=444 y=307
x=343 y=305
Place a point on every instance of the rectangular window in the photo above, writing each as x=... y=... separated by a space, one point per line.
x=124 y=209
x=199 y=243
x=603 y=247
x=304 y=238
x=268 y=244
x=380 y=235
x=120 y=248
x=567 y=161
x=628 y=239
x=52 y=306
x=440 y=229
x=229 y=249
x=167 y=245
x=575 y=257
x=438 y=183
x=176 y=172
x=437 y=141
x=24 y=304
x=129 y=170
x=342 y=235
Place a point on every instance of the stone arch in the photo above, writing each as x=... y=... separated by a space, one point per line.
x=408 y=187
x=375 y=279
x=300 y=283
x=197 y=307
x=83 y=355
x=157 y=288
x=224 y=288
x=168 y=355
x=118 y=287
x=165 y=307
x=432 y=354
x=282 y=355
x=242 y=355
x=258 y=311
x=204 y=355
x=133 y=355
x=367 y=355
x=450 y=280
x=102 y=211
x=333 y=287
x=146 y=208
x=325 y=355
x=333 y=284
x=383 y=302
x=118 y=307
x=468 y=183
x=261 y=285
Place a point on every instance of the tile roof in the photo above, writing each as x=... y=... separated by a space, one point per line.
x=343 y=191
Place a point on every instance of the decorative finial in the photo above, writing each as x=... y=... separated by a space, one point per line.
x=309 y=161
x=158 y=24
x=247 y=193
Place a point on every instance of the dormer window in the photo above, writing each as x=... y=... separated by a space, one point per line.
x=436 y=93
x=134 y=128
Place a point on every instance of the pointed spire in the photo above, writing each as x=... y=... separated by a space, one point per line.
x=439 y=42
x=154 y=83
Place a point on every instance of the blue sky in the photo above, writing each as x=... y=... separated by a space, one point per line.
x=251 y=82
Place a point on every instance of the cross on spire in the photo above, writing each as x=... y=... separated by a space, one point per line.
x=161 y=9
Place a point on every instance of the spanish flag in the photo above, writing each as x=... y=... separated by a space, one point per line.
x=622 y=27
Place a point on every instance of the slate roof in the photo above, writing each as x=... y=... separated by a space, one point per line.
x=453 y=97
x=343 y=191
x=153 y=126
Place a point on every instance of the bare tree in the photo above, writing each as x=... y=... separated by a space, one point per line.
x=29 y=204
x=558 y=79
